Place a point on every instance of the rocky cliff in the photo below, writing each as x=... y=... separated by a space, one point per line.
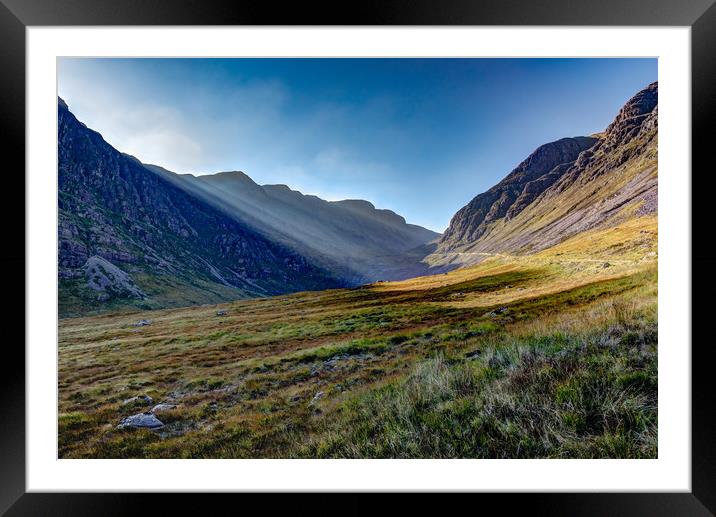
x=565 y=187
x=129 y=238
x=519 y=188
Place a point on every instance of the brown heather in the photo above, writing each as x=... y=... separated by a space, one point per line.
x=551 y=354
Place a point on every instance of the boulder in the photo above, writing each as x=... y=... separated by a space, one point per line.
x=141 y=421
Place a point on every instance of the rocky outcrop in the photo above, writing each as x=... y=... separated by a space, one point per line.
x=539 y=204
x=130 y=238
x=108 y=281
x=632 y=119
x=530 y=178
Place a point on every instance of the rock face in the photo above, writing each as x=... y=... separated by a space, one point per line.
x=130 y=238
x=520 y=187
x=352 y=238
x=109 y=281
x=564 y=188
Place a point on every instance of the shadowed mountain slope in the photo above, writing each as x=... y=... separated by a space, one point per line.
x=563 y=188
x=130 y=239
x=351 y=238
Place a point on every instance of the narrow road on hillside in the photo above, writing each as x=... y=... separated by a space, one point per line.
x=555 y=257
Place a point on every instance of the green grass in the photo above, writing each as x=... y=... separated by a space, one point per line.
x=521 y=357
x=586 y=395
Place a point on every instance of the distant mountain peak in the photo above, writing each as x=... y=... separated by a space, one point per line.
x=519 y=188
x=564 y=187
x=351 y=238
x=357 y=203
x=232 y=176
x=629 y=119
x=548 y=156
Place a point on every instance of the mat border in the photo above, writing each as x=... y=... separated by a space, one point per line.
x=700 y=15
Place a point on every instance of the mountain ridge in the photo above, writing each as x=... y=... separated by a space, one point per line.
x=129 y=239
x=138 y=235
x=540 y=169
x=611 y=180
x=357 y=241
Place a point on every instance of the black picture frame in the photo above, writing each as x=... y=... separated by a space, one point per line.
x=699 y=15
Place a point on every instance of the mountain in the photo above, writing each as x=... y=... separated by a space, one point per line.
x=129 y=238
x=563 y=188
x=133 y=235
x=519 y=188
x=352 y=238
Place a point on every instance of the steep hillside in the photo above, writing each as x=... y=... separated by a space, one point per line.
x=564 y=188
x=549 y=355
x=531 y=177
x=351 y=238
x=130 y=239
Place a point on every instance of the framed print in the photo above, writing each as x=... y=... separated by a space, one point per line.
x=425 y=249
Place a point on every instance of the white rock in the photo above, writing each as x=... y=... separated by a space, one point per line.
x=141 y=420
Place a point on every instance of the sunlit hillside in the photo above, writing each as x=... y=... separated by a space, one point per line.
x=545 y=355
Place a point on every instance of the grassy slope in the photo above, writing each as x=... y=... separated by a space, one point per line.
x=558 y=213
x=429 y=367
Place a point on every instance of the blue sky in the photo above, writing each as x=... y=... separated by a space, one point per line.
x=419 y=136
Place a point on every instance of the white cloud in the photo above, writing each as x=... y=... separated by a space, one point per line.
x=172 y=150
x=151 y=132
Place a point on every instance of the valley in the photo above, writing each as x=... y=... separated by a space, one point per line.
x=547 y=355
x=212 y=317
